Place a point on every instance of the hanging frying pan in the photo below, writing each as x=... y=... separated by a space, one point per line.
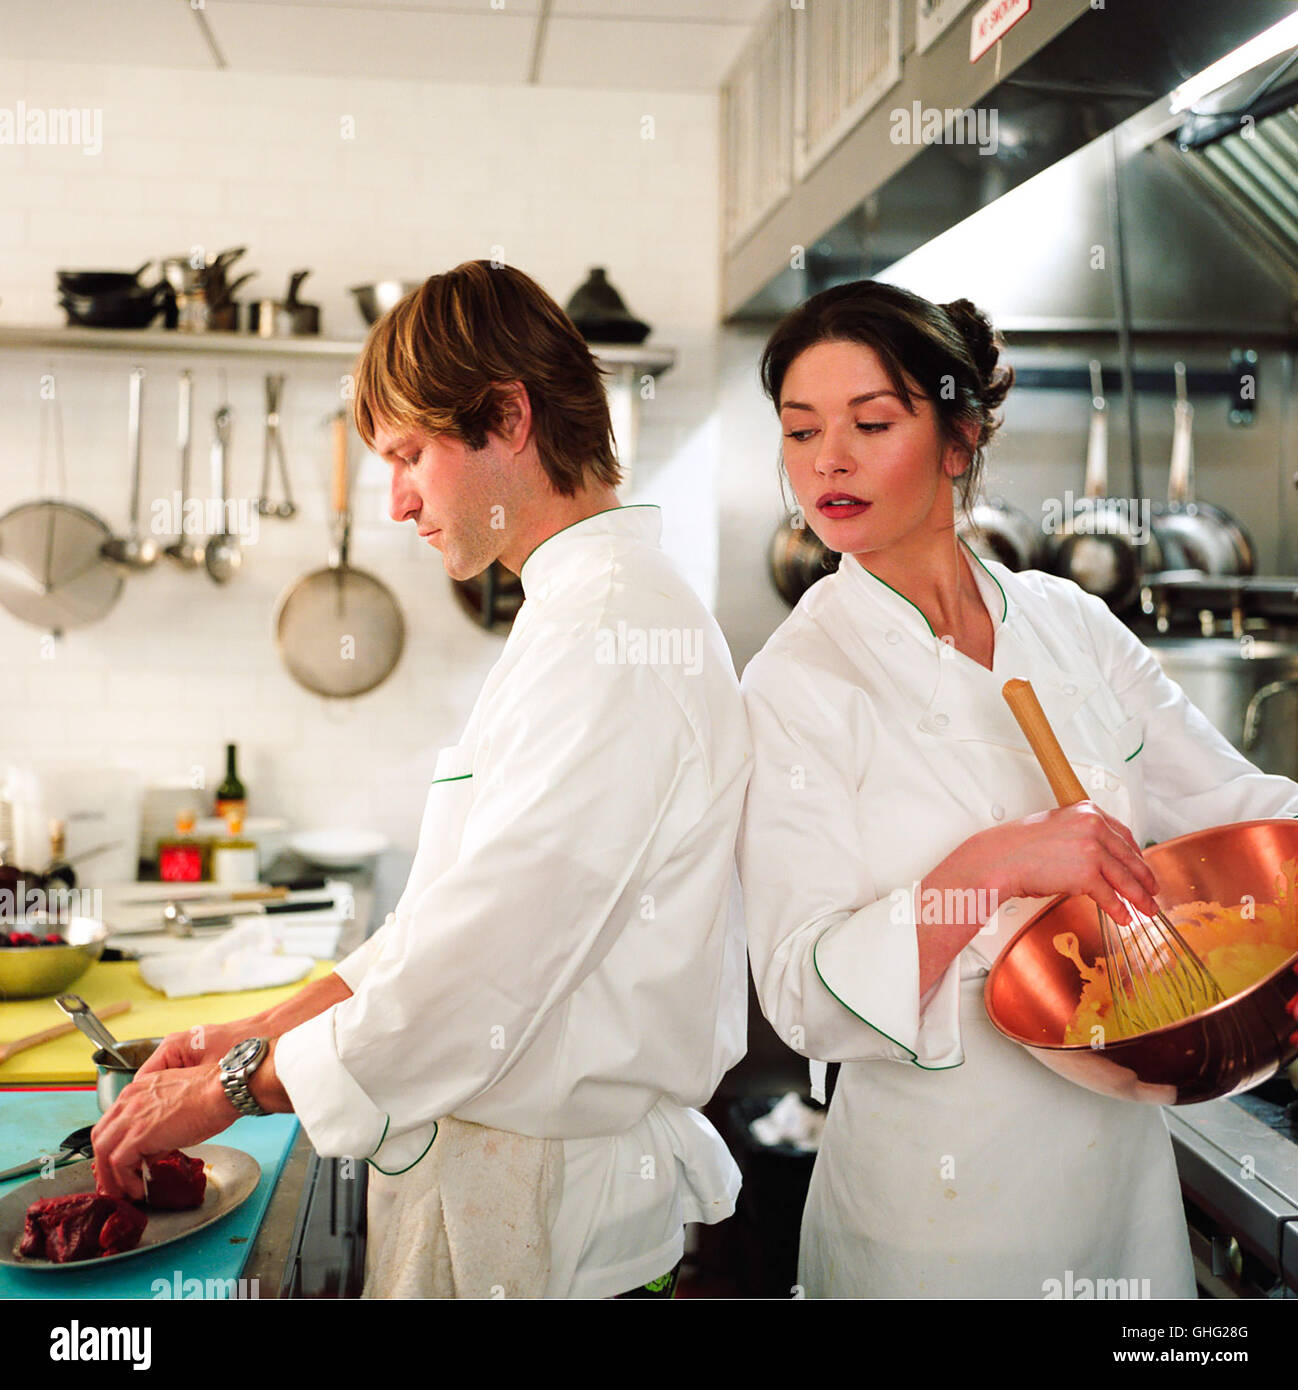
x=53 y=574
x=1203 y=536
x=492 y=599
x=998 y=531
x=339 y=631
x=1096 y=547
x=798 y=558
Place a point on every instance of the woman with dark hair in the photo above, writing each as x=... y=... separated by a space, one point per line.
x=894 y=804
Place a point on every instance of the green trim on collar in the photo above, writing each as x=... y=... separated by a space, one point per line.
x=625 y=507
x=914 y=1057
x=1129 y=756
x=461 y=777
x=900 y=595
x=1005 y=603
x=393 y=1173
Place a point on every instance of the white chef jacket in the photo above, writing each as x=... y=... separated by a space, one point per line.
x=878 y=749
x=567 y=959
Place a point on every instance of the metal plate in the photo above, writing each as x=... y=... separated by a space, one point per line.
x=232 y=1177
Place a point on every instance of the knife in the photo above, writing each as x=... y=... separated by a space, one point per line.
x=179 y=922
x=267 y=891
x=75 y=1147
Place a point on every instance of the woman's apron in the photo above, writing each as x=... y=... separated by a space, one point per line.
x=993 y=1179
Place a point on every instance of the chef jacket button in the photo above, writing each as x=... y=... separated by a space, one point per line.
x=1070 y=690
x=892 y=637
x=998 y=812
x=941 y=720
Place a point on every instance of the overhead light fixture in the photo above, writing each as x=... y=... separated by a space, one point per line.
x=1270 y=43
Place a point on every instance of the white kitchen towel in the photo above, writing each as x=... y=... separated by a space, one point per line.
x=246 y=957
x=471 y=1219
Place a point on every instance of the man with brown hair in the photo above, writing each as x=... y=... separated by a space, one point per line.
x=519 y=1050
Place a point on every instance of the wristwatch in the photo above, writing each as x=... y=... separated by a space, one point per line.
x=236 y=1067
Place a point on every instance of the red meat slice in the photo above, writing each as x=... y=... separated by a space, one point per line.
x=176 y=1181
x=81 y=1226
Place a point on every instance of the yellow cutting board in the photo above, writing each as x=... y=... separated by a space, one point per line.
x=66 y=1061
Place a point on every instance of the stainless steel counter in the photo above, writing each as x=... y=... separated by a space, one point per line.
x=1238 y=1163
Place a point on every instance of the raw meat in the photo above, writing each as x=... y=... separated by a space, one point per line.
x=81 y=1226
x=176 y=1182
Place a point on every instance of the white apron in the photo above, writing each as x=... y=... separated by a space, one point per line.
x=471 y=1217
x=971 y=1171
x=991 y=1180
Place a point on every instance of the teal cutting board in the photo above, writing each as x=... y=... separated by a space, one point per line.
x=33 y=1122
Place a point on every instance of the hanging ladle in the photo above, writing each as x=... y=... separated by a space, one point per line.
x=222 y=555
x=87 y=1021
x=132 y=551
x=184 y=551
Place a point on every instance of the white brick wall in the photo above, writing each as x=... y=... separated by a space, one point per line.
x=560 y=179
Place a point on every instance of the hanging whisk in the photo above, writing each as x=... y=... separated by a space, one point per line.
x=1154 y=976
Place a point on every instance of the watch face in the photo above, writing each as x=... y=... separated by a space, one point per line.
x=241 y=1053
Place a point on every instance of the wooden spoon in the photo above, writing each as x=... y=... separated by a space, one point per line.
x=60 y=1030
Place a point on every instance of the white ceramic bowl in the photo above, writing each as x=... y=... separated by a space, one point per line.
x=338 y=848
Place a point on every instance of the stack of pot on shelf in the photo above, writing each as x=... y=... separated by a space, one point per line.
x=195 y=294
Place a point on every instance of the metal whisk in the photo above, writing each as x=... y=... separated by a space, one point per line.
x=1154 y=975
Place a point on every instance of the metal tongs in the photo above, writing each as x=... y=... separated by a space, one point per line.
x=88 y=1022
x=274 y=445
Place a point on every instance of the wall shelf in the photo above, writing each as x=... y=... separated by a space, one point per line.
x=154 y=341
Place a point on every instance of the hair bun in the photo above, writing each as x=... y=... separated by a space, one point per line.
x=984 y=347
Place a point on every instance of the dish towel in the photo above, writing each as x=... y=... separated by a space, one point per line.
x=245 y=957
x=471 y=1219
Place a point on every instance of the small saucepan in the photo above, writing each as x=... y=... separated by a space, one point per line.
x=113 y=1078
x=286 y=318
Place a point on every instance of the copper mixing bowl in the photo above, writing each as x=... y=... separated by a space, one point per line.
x=1032 y=990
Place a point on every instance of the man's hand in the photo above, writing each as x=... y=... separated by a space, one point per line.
x=169 y=1109
x=205 y=1042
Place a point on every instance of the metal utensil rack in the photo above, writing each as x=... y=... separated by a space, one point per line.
x=1238 y=382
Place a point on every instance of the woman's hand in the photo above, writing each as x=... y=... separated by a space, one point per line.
x=1080 y=850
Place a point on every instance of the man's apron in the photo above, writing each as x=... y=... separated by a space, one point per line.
x=471 y=1218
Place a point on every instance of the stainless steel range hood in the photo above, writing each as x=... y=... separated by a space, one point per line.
x=1104 y=67
x=1203 y=258
x=1251 y=176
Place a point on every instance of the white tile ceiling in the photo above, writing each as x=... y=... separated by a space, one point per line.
x=655 y=45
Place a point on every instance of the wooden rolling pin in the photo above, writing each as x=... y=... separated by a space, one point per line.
x=60 y=1030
